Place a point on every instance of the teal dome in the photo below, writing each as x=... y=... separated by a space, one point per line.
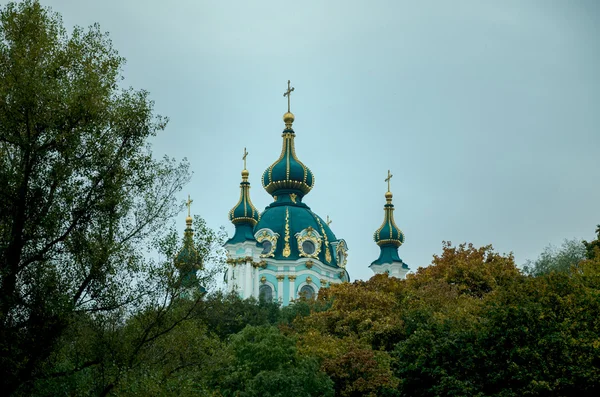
x=388 y=233
x=244 y=211
x=288 y=174
x=298 y=232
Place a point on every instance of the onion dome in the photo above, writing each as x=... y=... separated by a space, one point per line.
x=244 y=215
x=288 y=175
x=389 y=237
x=244 y=211
x=188 y=260
x=389 y=232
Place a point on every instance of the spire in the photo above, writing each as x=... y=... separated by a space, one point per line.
x=288 y=176
x=244 y=215
x=288 y=118
x=389 y=237
x=188 y=259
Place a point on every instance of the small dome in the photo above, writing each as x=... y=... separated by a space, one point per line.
x=288 y=174
x=188 y=259
x=389 y=232
x=244 y=211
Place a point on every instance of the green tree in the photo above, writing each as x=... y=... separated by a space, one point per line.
x=265 y=363
x=81 y=196
x=554 y=259
x=161 y=347
x=593 y=247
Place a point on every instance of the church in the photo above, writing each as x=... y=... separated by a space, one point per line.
x=287 y=251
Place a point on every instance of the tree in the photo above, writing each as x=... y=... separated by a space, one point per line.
x=554 y=259
x=593 y=247
x=265 y=363
x=81 y=196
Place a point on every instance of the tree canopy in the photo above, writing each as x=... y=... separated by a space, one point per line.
x=82 y=195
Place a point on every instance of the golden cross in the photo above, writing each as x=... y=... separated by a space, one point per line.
x=288 y=94
x=244 y=157
x=189 y=204
x=389 y=177
x=328 y=221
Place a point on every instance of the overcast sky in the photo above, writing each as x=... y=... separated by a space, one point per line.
x=486 y=112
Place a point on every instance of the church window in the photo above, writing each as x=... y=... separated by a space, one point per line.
x=309 y=242
x=307 y=292
x=265 y=292
x=268 y=240
x=308 y=247
x=267 y=247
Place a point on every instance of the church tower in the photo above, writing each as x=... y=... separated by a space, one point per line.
x=188 y=261
x=288 y=251
x=389 y=238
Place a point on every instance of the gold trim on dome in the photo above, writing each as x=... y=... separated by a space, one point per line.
x=288 y=149
x=245 y=201
x=286 y=249
x=388 y=220
x=293 y=197
x=309 y=234
x=325 y=240
x=267 y=234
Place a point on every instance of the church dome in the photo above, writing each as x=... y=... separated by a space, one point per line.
x=244 y=211
x=288 y=174
x=293 y=231
x=188 y=259
x=389 y=232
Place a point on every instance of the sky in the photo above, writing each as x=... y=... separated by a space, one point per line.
x=486 y=112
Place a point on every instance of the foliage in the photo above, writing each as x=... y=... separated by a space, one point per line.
x=553 y=259
x=593 y=247
x=82 y=199
x=265 y=363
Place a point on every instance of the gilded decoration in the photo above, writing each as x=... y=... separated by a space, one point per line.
x=267 y=235
x=292 y=278
x=263 y=279
x=326 y=242
x=246 y=259
x=293 y=197
x=240 y=260
x=280 y=277
x=308 y=280
x=309 y=264
x=323 y=282
x=286 y=249
x=342 y=254
x=309 y=234
x=381 y=235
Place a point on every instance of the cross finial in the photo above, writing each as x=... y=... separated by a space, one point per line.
x=288 y=94
x=389 y=177
x=189 y=204
x=244 y=157
x=328 y=221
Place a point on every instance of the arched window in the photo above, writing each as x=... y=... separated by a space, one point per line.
x=265 y=292
x=307 y=292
